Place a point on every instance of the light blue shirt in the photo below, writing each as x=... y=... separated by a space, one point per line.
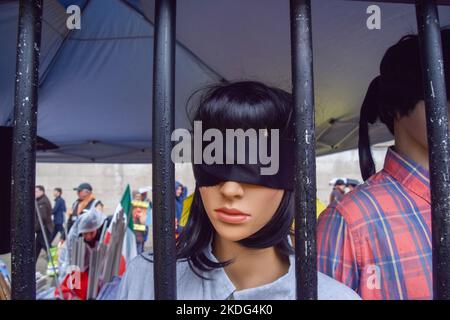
x=137 y=284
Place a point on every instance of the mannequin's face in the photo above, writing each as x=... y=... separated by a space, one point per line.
x=238 y=210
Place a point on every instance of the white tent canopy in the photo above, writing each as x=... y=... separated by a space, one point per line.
x=95 y=95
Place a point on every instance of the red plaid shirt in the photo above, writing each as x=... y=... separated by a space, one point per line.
x=377 y=239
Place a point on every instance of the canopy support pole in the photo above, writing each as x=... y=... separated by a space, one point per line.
x=305 y=165
x=23 y=262
x=163 y=167
x=438 y=142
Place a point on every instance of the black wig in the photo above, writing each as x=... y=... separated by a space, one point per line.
x=242 y=105
x=395 y=92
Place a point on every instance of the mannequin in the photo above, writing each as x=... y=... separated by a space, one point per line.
x=235 y=244
x=393 y=242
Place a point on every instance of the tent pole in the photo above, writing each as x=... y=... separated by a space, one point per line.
x=163 y=167
x=438 y=142
x=305 y=168
x=24 y=151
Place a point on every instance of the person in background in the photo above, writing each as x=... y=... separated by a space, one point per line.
x=351 y=185
x=180 y=194
x=137 y=196
x=100 y=207
x=143 y=192
x=86 y=200
x=139 y=212
x=90 y=226
x=59 y=211
x=338 y=191
x=377 y=239
x=44 y=210
x=144 y=197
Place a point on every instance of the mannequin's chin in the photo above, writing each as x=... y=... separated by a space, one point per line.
x=233 y=233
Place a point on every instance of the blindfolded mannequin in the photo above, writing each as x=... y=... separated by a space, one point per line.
x=235 y=244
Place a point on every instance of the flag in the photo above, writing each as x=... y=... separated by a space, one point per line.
x=129 y=250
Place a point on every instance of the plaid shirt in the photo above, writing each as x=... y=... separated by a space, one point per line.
x=377 y=239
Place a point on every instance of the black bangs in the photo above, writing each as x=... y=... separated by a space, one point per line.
x=244 y=105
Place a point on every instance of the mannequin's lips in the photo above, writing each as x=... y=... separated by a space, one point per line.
x=229 y=215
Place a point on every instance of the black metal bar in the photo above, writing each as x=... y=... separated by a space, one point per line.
x=305 y=159
x=163 y=167
x=24 y=151
x=438 y=142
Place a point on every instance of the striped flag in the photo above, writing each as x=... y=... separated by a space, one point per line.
x=129 y=250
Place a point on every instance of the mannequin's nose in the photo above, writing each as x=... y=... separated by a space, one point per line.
x=232 y=189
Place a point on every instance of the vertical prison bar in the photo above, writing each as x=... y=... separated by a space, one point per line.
x=24 y=151
x=163 y=167
x=305 y=168
x=438 y=142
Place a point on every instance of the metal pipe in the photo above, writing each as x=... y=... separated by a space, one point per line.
x=346 y=137
x=24 y=151
x=163 y=167
x=438 y=142
x=305 y=169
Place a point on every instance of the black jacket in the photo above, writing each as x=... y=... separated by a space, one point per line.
x=45 y=209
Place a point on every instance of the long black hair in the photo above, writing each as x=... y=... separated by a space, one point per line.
x=395 y=92
x=242 y=105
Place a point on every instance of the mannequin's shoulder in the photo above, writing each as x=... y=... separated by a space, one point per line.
x=331 y=289
x=138 y=281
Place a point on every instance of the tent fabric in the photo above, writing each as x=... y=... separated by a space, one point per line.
x=95 y=94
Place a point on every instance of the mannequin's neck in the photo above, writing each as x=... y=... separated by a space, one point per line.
x=410 y=149
x=250 y=268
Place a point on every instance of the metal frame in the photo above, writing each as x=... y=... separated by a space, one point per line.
x=163 y=167
x=24 y=151
x=305 y=154
x=438 y=142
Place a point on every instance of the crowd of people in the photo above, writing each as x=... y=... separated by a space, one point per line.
x=56 y=219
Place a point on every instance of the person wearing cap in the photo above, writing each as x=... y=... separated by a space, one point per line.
x=143 y=191
x=86 y=201
x=338 y=191
x=377 y=239
x=351 y=185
